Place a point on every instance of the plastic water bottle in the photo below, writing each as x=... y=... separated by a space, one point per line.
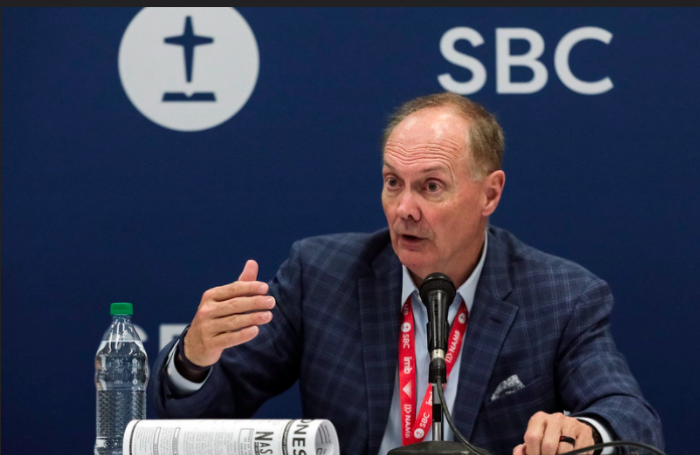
x=121 y=376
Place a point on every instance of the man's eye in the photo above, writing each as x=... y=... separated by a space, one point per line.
x=432 y=186
x=392 y=181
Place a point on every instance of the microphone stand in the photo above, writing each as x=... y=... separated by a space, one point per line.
x=438 y=446
x=437 y=370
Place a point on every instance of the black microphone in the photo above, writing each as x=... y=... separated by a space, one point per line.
x=437 y=293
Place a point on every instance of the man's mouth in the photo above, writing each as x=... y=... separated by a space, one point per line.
x=410 y=238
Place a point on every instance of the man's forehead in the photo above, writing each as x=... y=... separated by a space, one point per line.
x=426 y=155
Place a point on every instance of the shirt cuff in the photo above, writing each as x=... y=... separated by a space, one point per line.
x=604 y=434
x=178 y=383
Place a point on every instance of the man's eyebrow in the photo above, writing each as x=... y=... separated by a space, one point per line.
x=437 y=168
x=434 y=169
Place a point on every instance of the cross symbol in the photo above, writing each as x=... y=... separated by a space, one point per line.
x=188 y=40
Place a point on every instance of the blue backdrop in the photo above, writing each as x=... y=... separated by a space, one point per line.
x=101 y=204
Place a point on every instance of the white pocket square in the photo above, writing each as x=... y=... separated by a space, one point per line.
x=510 y=385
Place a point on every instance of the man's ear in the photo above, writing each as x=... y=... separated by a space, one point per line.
x=492 y=188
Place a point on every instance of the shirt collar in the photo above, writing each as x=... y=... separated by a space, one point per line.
x=466 y=291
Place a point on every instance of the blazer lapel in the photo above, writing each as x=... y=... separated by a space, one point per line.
x=380 y=310
x=489 y=322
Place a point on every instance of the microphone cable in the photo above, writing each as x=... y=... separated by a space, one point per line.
x=603 y=445
x=448 y=417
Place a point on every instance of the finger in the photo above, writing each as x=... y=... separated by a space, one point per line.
x=250 y=271
x=239 y=321
x=534 y=433
x=239 y=305
x=570 y=431
x=229 y=339
x=552 y=433
x=519 y=449
x=567 y=445
x=236 y=289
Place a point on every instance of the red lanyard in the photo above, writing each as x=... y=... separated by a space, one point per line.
x=414 y=427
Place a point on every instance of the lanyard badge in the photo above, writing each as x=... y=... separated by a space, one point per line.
x=415 y=426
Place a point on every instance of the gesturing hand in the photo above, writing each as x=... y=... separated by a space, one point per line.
x=228 y=316
x=544 y=431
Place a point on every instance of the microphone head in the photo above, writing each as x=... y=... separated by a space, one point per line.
x=437 y=282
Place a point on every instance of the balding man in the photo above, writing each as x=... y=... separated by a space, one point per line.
x=533 y=367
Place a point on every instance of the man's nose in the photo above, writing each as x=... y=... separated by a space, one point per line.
x=408 y=206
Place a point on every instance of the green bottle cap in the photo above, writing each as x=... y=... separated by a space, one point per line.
x=121 y=308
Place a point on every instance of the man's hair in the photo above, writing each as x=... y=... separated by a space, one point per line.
x=485 y=141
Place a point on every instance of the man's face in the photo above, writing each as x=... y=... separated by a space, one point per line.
x=436 y=212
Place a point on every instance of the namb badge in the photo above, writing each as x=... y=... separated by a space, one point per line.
x=188 y=69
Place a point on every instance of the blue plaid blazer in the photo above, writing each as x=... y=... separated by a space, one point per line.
x=336 y=328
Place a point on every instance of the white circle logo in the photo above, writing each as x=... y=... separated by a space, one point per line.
x=462 y=318
x=419 y=433
x=188 y=69
x=405 y=327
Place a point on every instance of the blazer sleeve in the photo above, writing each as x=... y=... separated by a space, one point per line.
x=246 y=375
x=594 y=378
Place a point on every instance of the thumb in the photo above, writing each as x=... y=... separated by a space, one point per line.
x=250 y=271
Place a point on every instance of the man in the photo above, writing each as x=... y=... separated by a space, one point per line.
x=536 y=344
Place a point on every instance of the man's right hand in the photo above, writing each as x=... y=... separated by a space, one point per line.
x=228 y=316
